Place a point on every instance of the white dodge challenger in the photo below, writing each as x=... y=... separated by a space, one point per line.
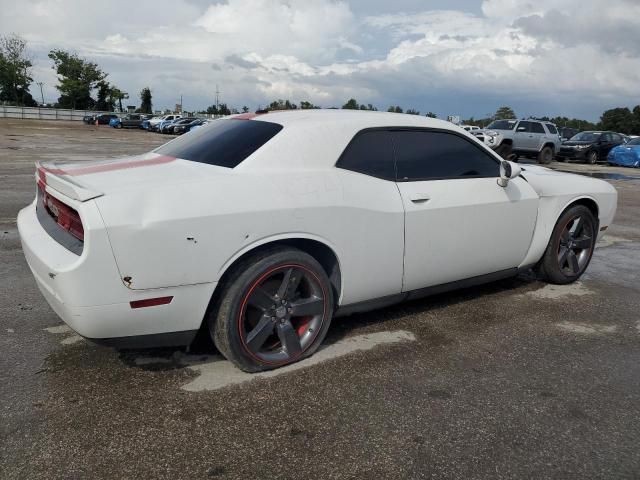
x=261 y=228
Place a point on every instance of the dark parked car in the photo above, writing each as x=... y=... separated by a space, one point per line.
x=567 y=132
x=89 y=119
x=105 y=118
x=167 y=127
x=181 y=127
x=589 y=147
x=132 y=120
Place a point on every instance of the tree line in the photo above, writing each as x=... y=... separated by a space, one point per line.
x=79 y=79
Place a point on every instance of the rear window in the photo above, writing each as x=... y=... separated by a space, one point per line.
x=224 y=143
x=551 y=128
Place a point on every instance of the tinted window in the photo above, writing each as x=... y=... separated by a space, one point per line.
x=502 y=125
x=551 y=128
x=524 y=127
x=537 y=127
x=431 y=155
x=371 y=153
x=616 y=138
x=224 y=143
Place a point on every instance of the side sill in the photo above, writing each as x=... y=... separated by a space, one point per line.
x=170 y=339
x=382 y=302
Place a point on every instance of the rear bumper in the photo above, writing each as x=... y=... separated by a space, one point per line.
x=87 y=293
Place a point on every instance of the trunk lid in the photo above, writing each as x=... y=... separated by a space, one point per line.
x=85 y=180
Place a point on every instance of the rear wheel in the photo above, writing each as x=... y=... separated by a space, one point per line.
x=545 y=156
x=571 y=246
x=274 y=309
x=592 y=157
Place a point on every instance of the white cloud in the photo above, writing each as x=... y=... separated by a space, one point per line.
x=541 y=54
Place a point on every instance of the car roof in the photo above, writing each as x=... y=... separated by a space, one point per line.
x=356 y=119
x=316 y=138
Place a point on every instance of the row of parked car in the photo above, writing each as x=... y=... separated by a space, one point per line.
x=544 y=142
x=171 y=124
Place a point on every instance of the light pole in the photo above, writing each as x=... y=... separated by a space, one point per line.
x=41 y=94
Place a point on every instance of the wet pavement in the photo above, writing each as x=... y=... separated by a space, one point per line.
x=516 y=379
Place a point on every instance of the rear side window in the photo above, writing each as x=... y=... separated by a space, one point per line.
x=225 y=143
x=370 y=152
x=551 y=128
x=426 y=155
x=524 y=127
x=537 y=127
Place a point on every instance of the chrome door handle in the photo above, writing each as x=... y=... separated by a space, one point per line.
x=419 y=198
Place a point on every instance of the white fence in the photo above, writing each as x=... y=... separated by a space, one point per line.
x=37 y=113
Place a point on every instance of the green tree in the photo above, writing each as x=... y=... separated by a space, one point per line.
x=104 y=102
x=77 y=78
x=411 y=111
x=282 y=105
x=504 y=113
x=118 y=95
x=146 y=106
x=394 y=109
x=617 y=119
x=305 y=105
x=431 y=115
x=15 y=71
x=352 y=104
x=368 y=107
x=245 y=109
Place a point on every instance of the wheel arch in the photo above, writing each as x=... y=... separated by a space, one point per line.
x=319 y=249
x=550 y=145
x=585 y=200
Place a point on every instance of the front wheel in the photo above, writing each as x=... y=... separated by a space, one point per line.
x=571 y=246
x=504 y=150
x=545 y=156
x=592 y=157
x=275 y=309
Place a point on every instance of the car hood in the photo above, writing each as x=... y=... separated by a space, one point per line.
x=84 y=180
x=574 y=143
x=549 y=183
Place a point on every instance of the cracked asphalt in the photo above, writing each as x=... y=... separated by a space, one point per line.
x=515 y=379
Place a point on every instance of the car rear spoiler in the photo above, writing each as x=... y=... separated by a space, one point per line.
x=59 y=181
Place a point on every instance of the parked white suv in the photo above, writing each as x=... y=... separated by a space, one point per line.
x=526 y=138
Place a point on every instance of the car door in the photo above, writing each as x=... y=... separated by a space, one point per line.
x=459 y=223
x=605 y=144
x=524 y=138
x=538 y=135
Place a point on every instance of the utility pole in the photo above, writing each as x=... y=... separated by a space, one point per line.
x=41 y=94
x=181 y=109
x=217 y=98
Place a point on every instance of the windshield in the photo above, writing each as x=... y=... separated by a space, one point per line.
x=586 y=137
x=502 y=125
x=634 y=141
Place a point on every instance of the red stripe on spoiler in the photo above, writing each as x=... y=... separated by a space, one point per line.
x=104 y=168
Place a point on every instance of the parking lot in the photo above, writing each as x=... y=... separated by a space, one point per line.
x=515 y=379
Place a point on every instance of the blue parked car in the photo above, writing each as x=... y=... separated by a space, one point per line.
x=627 y=155
x=115 y=122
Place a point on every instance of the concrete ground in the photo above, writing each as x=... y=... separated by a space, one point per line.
x=516 y=379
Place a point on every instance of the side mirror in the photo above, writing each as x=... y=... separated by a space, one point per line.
x=508 y=170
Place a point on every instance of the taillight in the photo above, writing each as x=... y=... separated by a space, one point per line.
x=65 y=216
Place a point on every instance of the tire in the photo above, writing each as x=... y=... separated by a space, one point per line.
x=571 y=246
x=254 y=324
x=545 y=156
x=504 y=150
x=592 y=157
x=118 y=125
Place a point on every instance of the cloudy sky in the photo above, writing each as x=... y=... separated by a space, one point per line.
x=467 y=57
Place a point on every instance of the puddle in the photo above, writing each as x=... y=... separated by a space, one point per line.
x=604 y=175
x=70 y=337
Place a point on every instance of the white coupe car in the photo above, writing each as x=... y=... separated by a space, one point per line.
x=261 y=228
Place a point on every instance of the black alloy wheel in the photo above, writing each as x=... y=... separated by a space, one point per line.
x=571 y=246
x=275 y=309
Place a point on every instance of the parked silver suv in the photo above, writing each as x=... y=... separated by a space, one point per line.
x=526 y=138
